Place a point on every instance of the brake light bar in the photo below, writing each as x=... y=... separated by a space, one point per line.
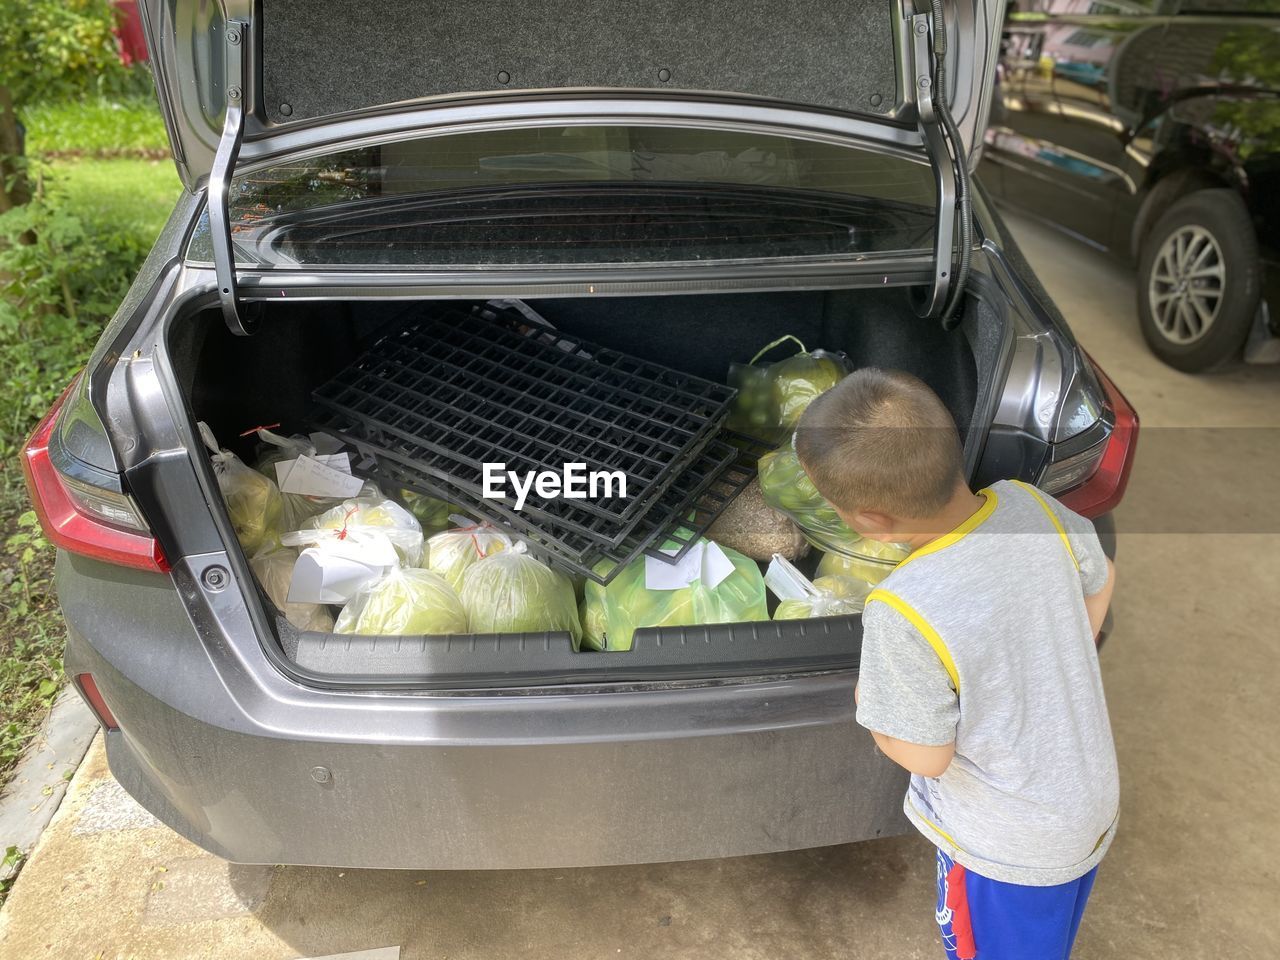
x=72 y=515
x=1103 y=491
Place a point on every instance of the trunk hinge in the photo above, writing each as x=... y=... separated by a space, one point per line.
x=240 y=318
x=950 y=173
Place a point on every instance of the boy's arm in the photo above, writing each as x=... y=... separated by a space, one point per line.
x=913 y=757
x=1097 y=572
x=904 y=694
x=1098 y=603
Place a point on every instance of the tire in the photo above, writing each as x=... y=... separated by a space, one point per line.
x=1199 y=281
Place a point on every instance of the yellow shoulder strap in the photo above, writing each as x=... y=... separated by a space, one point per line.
x=926 y=630
x=1053 y=518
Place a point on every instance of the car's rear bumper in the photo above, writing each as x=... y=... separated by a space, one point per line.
x=257 y=768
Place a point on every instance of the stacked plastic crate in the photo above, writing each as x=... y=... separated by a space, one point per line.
x=448 y=391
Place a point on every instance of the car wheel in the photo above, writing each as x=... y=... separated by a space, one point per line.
x=1199 y=280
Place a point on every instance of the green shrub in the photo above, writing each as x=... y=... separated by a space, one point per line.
x=61 y=276
x=61 y=49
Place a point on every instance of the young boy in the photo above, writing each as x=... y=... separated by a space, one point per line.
x=979 y=668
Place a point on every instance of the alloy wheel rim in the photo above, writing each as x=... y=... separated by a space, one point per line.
x=1188 y=281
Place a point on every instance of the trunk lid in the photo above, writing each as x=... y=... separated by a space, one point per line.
x=290 y=67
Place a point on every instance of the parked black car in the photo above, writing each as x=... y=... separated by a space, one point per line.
x=1151 y=129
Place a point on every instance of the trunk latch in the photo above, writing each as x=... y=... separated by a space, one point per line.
x=241 y=318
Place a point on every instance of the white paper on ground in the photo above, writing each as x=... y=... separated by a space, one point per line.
x=319 y=476
x=786 y=582
x=705 y=561
x=333 y=570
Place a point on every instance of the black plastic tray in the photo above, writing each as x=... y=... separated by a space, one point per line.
x=449 y=391
x=684 y=513
x=560 y=526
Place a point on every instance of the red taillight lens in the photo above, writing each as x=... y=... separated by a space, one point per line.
x=93 y=696
x=1103 y=491
x=63 y=506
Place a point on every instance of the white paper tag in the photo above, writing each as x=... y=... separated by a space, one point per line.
x=324 y=443
x=207 y=436
x=333 y=570
x=705 y=561
x=320 y=476
x=336 y=461
x=786 y=582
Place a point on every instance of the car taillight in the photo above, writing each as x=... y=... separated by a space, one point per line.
x=1100 y=478
x=80 y=516
x=93 y=697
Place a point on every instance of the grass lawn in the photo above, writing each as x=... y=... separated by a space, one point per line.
x=114 y=196
x=128 y=127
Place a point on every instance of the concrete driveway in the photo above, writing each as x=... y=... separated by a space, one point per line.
x=1191 y=678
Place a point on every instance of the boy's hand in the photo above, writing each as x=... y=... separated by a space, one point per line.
x=1098 y=603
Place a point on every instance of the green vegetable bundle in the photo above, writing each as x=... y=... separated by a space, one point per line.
x=787 y=487
x=451 y=553
x=771 y=397
x=380 y=513
x=870 y=561
x=832 y=596
x=512 y=592
x=406 y=602
x=612 y=614
x=432 y=513
x=253 y=502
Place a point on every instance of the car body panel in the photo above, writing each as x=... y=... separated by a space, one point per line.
x=837 y=59
x=257 y=769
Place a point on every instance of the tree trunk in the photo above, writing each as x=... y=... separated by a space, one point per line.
x=15 y=189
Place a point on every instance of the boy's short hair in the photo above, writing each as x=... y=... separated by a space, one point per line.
x=882 y=441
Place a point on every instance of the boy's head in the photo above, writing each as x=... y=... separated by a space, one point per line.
x=883 y=450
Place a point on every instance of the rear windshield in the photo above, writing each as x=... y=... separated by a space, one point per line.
x=575 y=195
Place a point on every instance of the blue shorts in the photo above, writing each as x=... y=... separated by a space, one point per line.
x=983 y=919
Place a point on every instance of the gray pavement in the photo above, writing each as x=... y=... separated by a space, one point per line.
x=32 y=795
x=1190 y=675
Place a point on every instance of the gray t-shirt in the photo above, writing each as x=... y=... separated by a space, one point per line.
x=982 y=638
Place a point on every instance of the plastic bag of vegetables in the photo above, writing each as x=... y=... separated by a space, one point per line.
x=379 y=513
x=612 y=613
x=512 y=592
x=771 y=397
x=831 y=596
x=452 y=552
x=253 y=501
x=433 y=514
x=274 y=570
x=407 y=602
x=276 y=448
x=867 y=560
x=297 y=508
x=787 y=487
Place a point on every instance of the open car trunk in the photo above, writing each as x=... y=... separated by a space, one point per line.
x=235 y=384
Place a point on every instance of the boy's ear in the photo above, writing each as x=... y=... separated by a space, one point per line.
x=875 y=526
x=869 y=524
